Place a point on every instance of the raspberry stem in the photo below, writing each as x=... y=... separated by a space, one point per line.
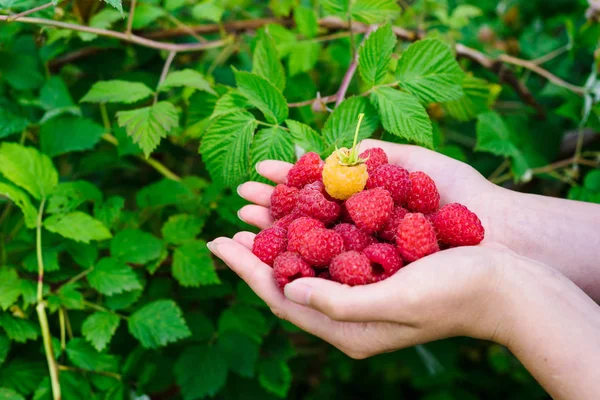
x=350 y=157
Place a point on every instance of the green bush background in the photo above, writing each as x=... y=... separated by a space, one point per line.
x=135 y=303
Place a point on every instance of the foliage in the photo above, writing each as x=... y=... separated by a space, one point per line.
x=103 y=190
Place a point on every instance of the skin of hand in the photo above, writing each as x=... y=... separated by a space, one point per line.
x=486 y=291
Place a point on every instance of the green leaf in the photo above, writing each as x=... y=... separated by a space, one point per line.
x=265 y=61
x=99 y=328
x=303 y=57
x=71 y=298
x=69 y=195
x=477 y=94
x=284 y=39
x=84 y=356
x=201 y=326
x=429 y=70
x=336 y=7
x=135 y=246
x=494 y=136
x=125 y=145
x=243 y=319
x=306 y=21
x=108 y=212
x=116 y=4
x=200 y=372
x=275 y=376
x=10 y=287
x=371 y=11
x=230 y=102
x=158 y=324
x=240 y=351
x=182 y=228
x=193 y=265
x=117 y=91
x=111 y=276
x=9 y=394
x=4 y=347
x=208 y=11
x=28 y=168
x=305 y=136
x=68 y=133
x=18 y=329
x=263 y=95
x=83 y=254
x=11 y=123
x=403 y=115
x=375 y=55
x=23 y=376
x=22 y=201
x=340 y=126
x=49 y=256
x=55 y=94
x=78 y=226
x=186 y=78
x=225 y=147
x=163 y=193
x=21 y=69
x=145 y=15
x=272 y=144
x=148 y=125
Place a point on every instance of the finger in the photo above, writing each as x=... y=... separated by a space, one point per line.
x=246 y=239
x=341 y=302
x=273 y=170
x=256 y=192
x=258 y=216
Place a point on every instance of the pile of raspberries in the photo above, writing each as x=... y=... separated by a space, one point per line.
x=392 y=220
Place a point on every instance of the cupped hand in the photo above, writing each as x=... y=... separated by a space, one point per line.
x=453 y=292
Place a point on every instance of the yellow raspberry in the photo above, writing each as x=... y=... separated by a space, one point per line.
x=342 y=181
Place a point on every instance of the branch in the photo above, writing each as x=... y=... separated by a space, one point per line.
x=163 y=74
x=27 y=12
x=130 y=18
x=122 y=36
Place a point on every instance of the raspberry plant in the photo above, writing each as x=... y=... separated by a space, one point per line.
x=107 y=290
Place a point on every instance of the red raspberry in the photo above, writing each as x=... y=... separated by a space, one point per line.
x=385 y=260
x=392 y=178
x=320 y=245
x=457 y=226
x=308 y=169
x=344 y=216
x=351 y=268
x=298 y=228
x=289 y=266
x=374 y=158
x=423 y=196
x=285 y=222
x=416 y=237
x=354 y=238
x=390 y=228
x=283 y=200
x=268 y=244
x=370 y=209
x=314 y=203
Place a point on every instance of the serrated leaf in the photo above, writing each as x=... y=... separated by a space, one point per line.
x=55 y=94
x=146 y=14
x=231 y=102
x=67 y=196
x=83 y=254
x=71 y=298
x=49 y=256
x=200 y=372
x=148 y=125
x=9 y=394
x=186 y=78
x=243 y=319
x=78 y=226
x=111 y=276
x=375 y=55
x=123 y=300
x=306 y=21
x=99 y=328
x=193 y=265
x=429 y=70
x=272 y=144
x=263 y=95
x=18 y=329
x=284 y=39
x=182 y=228
x=108 y=212
x=208 y=11
x=84 y=356
x=22 y=376
x=474 y=101
x=494 y=136
x=403 y=115
x=340 y=126
x=136 y=246
x=116 y=4
x=11 y=123
x=4 y=347
x=336 y=7
x=163 y=193
x=68 y=133
x=371 y=11
x=225 y=147
x=22 y=201
x=28 y=168
x=117 y=91
x=10 y=287
x=305 y=136
x=106 y=17
x=303 y=56
x=275 y=376
x=265 y=60
x=158 y=324
x=240 y=351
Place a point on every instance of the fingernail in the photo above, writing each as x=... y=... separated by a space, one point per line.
x=238 y=190
x=239 y=214
x=257 y=166
x=298 y=293
x=212 y=246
